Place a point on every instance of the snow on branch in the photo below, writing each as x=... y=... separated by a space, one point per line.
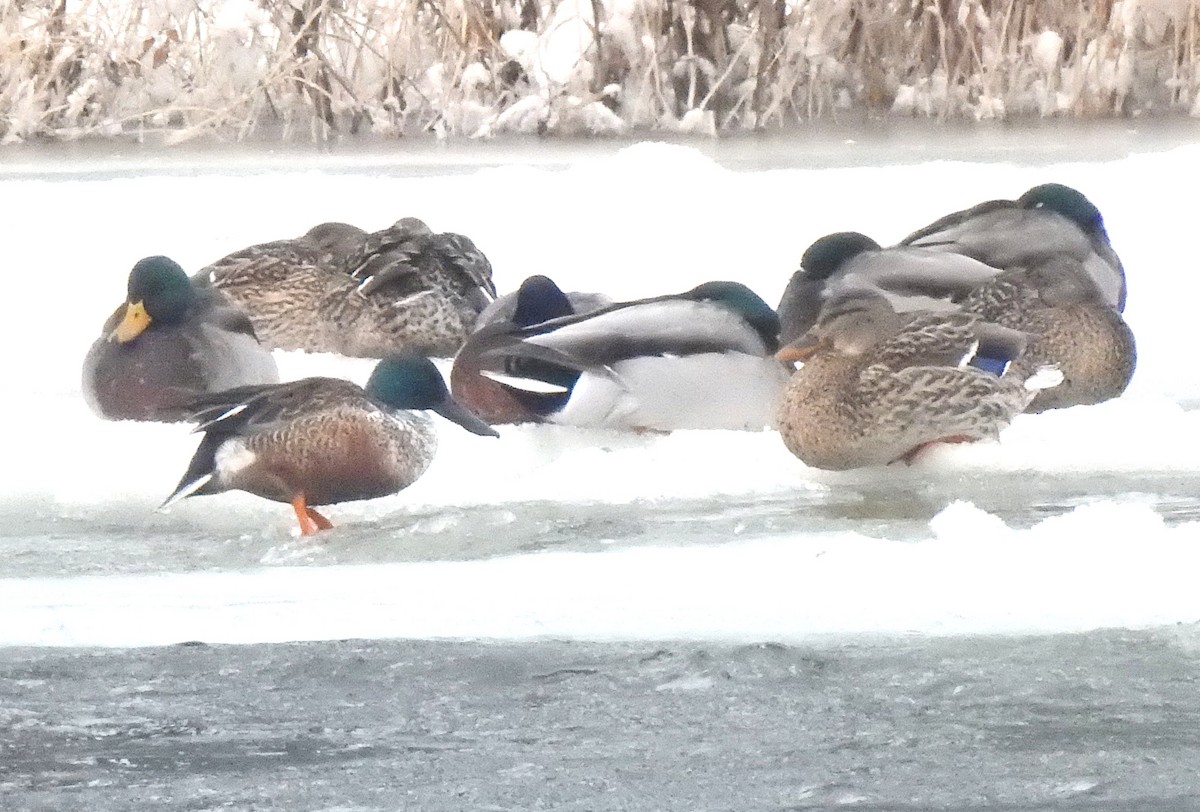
x=322 y=69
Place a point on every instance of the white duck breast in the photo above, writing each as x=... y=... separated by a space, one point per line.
x=731 y=391
x=678 y=326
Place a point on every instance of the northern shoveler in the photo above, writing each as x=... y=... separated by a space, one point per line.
x=702 y=359
x=320 y=441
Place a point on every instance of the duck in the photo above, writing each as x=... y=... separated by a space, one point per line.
x=1050 y=221
x=912 y=278
x=321 y=441
x=421 y=263
x=282 y=284
x=538 y=299
x=701 y=359
x=1053 y=299
x=876 y=387
x=1089 y=342
x=341 y=290
x=170 y=342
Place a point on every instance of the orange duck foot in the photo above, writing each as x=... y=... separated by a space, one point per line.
x=310 y=520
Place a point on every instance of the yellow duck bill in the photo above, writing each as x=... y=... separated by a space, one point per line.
x=134 y=322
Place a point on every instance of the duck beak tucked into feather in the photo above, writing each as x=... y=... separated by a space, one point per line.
x=451 y=409
x=801 y=349
x=134 y=322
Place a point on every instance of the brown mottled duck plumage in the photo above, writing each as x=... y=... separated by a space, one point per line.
x=321 y=441
x=1059 y=294
x=876 y=387
x=338 y=289
x=1068 y=325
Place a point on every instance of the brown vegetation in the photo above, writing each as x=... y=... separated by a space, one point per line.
x=314 y=69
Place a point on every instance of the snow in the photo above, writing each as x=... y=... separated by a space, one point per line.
x=227 y=68
x=974 y=576
x=1047 y=50
x=630 y=221
x=568 y=37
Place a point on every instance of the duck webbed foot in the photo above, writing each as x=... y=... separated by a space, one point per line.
x=310 y=520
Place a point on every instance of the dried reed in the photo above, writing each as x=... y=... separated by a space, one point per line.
x=320 y=69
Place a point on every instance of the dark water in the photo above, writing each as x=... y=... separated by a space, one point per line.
x=1103 y=721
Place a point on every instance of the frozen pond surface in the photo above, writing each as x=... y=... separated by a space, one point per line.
x=1104 y=721
x=1005 y=626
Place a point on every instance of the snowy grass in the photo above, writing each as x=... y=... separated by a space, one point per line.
x=317 y=69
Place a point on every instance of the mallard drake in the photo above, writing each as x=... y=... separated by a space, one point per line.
x=320 y=441
x=877 y=387
x=1049 y=222
x=1053 y=299
x=170 y=342
x=695 y=360
x=912 y=279
x=338 y=289
x=537 y=300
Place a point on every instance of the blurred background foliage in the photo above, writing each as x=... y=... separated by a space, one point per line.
x=319 y=69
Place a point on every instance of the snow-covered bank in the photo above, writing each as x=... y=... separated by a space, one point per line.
x=316 y=70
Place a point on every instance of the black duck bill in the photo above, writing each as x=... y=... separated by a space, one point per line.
x=452 y=410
